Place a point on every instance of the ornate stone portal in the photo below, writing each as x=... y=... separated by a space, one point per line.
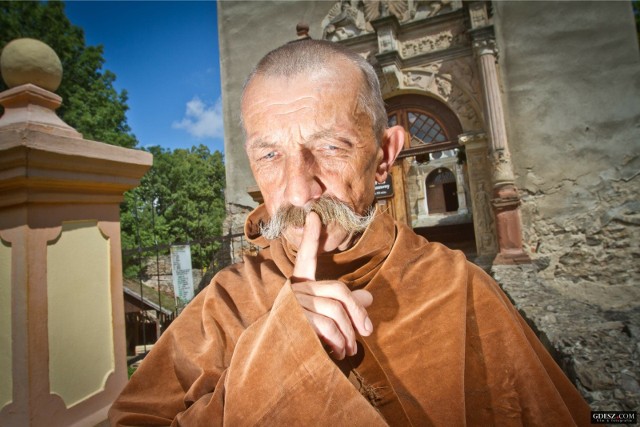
x=443 y=50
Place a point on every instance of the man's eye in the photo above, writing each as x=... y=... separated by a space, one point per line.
x=269 y=155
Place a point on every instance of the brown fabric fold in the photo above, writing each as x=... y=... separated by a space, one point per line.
x=367 y=375
x=447 y=348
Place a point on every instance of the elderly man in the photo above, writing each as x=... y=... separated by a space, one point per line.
x=345 y=318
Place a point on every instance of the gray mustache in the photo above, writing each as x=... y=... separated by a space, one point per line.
x=328 y=209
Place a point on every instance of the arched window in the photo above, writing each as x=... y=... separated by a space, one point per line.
x=425 y=129
x=431 y=125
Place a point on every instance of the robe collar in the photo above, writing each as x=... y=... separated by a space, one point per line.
x=355 y=267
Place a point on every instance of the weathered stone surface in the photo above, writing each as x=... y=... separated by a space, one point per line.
x=591 y=254
x=578 y=166
x=598 y=349
x=234 y=224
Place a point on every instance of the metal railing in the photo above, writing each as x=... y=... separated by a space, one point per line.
x=151 y=303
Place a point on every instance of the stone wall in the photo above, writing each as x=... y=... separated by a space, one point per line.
x=597 y=348
x=571 y=75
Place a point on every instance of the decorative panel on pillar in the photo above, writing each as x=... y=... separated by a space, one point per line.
x=480 y=183
x=78 y=275
x=6 y=376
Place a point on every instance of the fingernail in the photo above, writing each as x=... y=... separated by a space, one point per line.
x=368 y=326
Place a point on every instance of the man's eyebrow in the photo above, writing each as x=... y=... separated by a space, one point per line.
x=259 y=143
x=329 y=133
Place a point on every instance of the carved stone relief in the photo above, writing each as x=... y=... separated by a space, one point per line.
x=426 y=9
x=481 y=188
x=392 y=79
x=478 y=14
x=463 y=72
x=501 y=166
x=343 y=21
x=483 y=220
x=351 y=18
x=387 y=40
x=448 y=87
x=434 y=42
x=374 y=9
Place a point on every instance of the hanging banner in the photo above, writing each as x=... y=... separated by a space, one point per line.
x=181 y=272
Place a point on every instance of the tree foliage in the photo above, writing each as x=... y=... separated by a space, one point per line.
x=90 y=102
x=181 y=199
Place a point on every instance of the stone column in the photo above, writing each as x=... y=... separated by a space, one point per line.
x=480 y=189
x=62 y=357
x=462 y=198
x=505 y=197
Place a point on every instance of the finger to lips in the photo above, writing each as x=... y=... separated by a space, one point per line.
x=331 y=308
x=307 y=257
x=305 y=270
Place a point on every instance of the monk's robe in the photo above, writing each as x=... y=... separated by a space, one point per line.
x=447 y=348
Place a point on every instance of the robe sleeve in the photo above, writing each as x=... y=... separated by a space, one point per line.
x=273 y=372
x=521 y=383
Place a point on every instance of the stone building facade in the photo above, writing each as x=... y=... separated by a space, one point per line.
x=524 y=124
x=523 y=120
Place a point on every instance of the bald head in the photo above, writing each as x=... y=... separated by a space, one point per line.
x=314 y=57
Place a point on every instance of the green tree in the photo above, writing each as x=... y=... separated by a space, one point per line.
x=181 y=199
x=90 y=102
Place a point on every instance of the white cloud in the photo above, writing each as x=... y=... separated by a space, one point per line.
x=202 y=120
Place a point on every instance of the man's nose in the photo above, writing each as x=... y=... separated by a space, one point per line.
x=302 y=182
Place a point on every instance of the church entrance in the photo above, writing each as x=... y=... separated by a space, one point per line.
x=431 y=190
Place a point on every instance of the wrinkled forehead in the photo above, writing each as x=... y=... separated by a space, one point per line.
x=339 y=78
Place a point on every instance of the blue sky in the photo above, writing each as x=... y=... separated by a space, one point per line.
x=165 y=54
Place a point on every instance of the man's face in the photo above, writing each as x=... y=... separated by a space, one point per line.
x=306 y=137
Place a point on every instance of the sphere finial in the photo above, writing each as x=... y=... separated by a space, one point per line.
x=30 y=61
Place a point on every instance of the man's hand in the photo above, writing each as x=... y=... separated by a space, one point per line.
x=334 y=312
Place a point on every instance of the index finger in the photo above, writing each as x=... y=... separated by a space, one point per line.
x=307 y=258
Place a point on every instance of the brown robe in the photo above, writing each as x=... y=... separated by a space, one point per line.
x=448 y=348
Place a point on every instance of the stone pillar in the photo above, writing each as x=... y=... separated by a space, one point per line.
x=480 y=189
x=505 y=197
x=462 y=197
x=62 y=357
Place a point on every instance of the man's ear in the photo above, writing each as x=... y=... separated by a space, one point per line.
x=392 y=143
